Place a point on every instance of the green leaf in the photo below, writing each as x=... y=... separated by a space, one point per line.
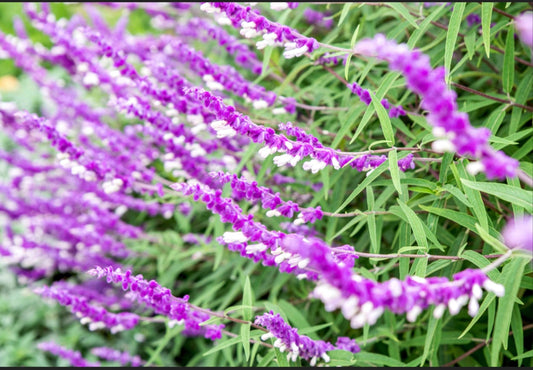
x=295 y=316
x=384 y=119
x=486 y=15
x=416 y=225
x=505 y=306
x=324 y=175
x=170 y=333
x=250 y=152
x=347 y=122
x=221 y=344
x=522 y=93
x=489 y=239
x=313 y=329
x=266 y=59
x=524 y=355
x=245 y=339
x=506 y=192
x=344 y=13
x=474 y=196
x=367 y=181
x=489 y=299
x=394 y=170
x=349 y=57
x=347 y=65
x=377 y=359
x=400 y=8
x=385 y=85
x=518 y=332
x=470 y=42
x=460 y=218
x=457 y=194
x=340 y=357
x=430 y=337
x=508 y=61
x=436 y=13
x=282 y=358
x=247 y=301
x=451 y=36
x=374 y=242
x=354 y=36
x=267 y=359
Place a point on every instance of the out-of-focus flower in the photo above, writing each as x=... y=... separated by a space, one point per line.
x=524 y=26
x=8 y=83
x=518 y=233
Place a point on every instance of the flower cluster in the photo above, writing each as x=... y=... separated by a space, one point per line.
x=200 y=28
x=363 y=301
x=243 y=189
x=74 y=357
x=365 y=97
x=254 y=25
x=518 y=233
x=122 y=116
x=111 y=354
x=96 y=316
x=288 y=339
x=320 y=19
x=160 y=299
x=451 y=125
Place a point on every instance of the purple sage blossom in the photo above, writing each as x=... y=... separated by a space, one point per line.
x=316 y=17
x=441 y=104
x=518 y=233
x=524 y=26
x=161 y=301
x=111 y=354
x=96 y=316
x=74 y=357
x=288 y=340
x=366 y=98
x=254 y=25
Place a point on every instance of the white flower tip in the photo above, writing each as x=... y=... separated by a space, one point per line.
x=493 y=287
x=234 y=237
x=443 y=145
x=473 y=168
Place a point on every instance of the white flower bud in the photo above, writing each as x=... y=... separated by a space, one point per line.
x=439 y=311
x=234 y=237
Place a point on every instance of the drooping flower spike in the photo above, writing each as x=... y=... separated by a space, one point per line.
x=96 y=316
x=111 y=354
x=451 y=125
x=160 y=300
x=253 y=25
x=74 y=357
x=296 y=345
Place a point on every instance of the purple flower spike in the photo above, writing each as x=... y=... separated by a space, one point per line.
x=315 y=17
x=111 y=354
x=366 y=98
x=74 y=357
x=406 y=163
x=288 y=339
x=347 y=344
x=253 y=25
x=97 y=316
x=451 y=125
x=161 y=301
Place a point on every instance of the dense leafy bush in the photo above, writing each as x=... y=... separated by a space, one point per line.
x=266 y=184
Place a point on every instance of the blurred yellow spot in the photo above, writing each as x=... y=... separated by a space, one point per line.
x=8 y=83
